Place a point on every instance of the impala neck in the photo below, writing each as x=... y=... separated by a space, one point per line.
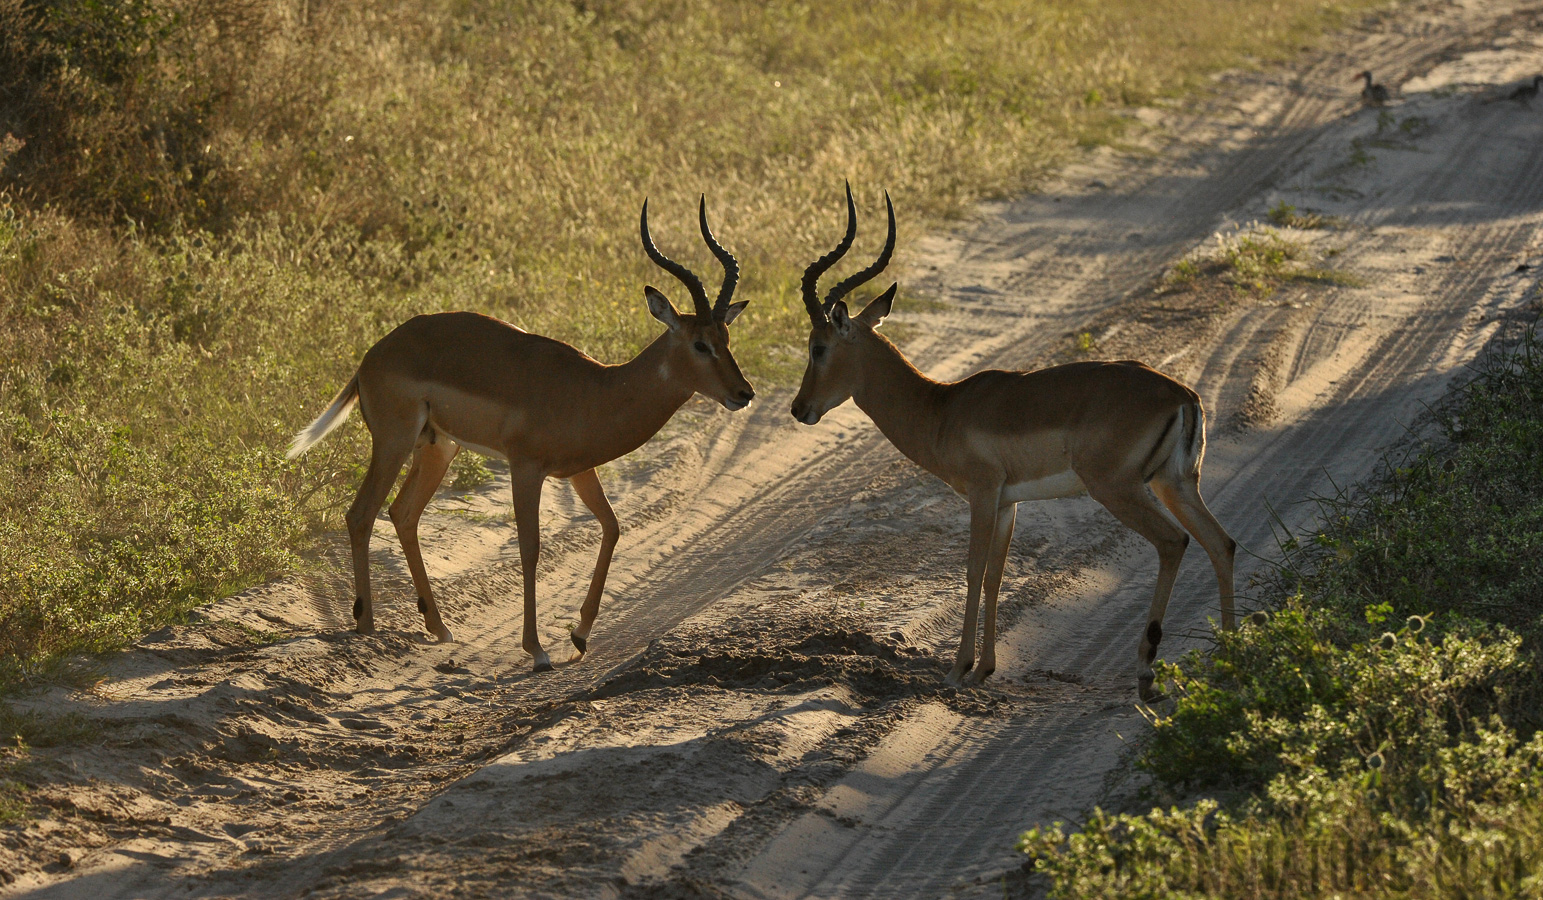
x=901 y=401
x=640 y=395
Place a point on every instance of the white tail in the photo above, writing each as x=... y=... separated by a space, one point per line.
x=1189 y=449
x=312 y=434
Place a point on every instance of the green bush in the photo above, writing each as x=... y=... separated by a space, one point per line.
x=1292 y=697
x=1456 y=527
x=1382 y=724
x=1376 y=768
x=1349 y=842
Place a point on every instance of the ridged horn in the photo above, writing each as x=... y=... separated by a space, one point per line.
x=859 y=278
x=811 y=280
x=693 y=284
x=730 y=265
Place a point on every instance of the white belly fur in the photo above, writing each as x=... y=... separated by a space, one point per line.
x=1061 y=484
x=477 y=448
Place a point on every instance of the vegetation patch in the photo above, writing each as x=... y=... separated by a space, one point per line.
x=469 y=471
x=1288 y=216
x=1377 y=734
x=1255 y=260
x=21 y=729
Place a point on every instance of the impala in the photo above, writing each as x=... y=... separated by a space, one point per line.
x=1110 y=429
x=458 y=379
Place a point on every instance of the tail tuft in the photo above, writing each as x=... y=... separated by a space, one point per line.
x=312 y=434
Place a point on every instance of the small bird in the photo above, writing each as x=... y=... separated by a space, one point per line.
x=1527 y=91
x=1373 y=94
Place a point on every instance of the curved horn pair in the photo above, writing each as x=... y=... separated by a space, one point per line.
x=819 y=313
x=718 y=310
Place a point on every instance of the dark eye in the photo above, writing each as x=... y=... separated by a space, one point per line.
x=701 y=347
x=818 y=350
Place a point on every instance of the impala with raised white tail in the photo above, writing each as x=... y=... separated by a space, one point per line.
x=1108 y=429
x=459 y=379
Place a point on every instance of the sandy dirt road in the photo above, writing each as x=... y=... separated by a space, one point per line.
x=762 y=711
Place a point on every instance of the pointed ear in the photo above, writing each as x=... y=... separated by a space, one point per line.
x=733 y=311
x=659 y=307
x=841 y=319
x=878 y=307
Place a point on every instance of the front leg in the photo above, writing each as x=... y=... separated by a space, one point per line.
x=527 y=521
x=1001 y=542
x=984 y=503
x=587 y=484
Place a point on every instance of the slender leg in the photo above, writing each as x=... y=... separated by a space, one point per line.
x=983 y=522
x=527 y=521
x=1132 y=505
x=428 y=470
x=587 y=484
x=995 y=564
x=386 y=458
x=1184 y=501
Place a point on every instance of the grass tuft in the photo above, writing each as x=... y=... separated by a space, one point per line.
x=1253 y=260
x=1285 y=215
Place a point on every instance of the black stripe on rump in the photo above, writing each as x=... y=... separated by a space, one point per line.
x=1152 y=464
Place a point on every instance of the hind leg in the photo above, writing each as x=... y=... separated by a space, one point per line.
x=386 y=459
x=428 y=470
x=1184 y=501
x=587 y=485
x=1133 y=506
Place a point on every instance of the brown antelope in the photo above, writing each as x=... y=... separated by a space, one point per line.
x=459 y=379
x=1109 y=429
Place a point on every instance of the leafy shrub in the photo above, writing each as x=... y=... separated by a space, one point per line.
x=1348 y=842
x=1291 y=697
x=115 y=103
x=1455 y=527
x=1399 y=762
x=1377 y=768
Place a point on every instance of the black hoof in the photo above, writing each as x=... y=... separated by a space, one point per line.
x=580 y=643
x=358 y=608
x=423 y=606
x=1149 y=693
x=543 y=667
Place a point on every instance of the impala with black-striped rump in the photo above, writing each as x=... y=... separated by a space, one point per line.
x=1113 y=430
